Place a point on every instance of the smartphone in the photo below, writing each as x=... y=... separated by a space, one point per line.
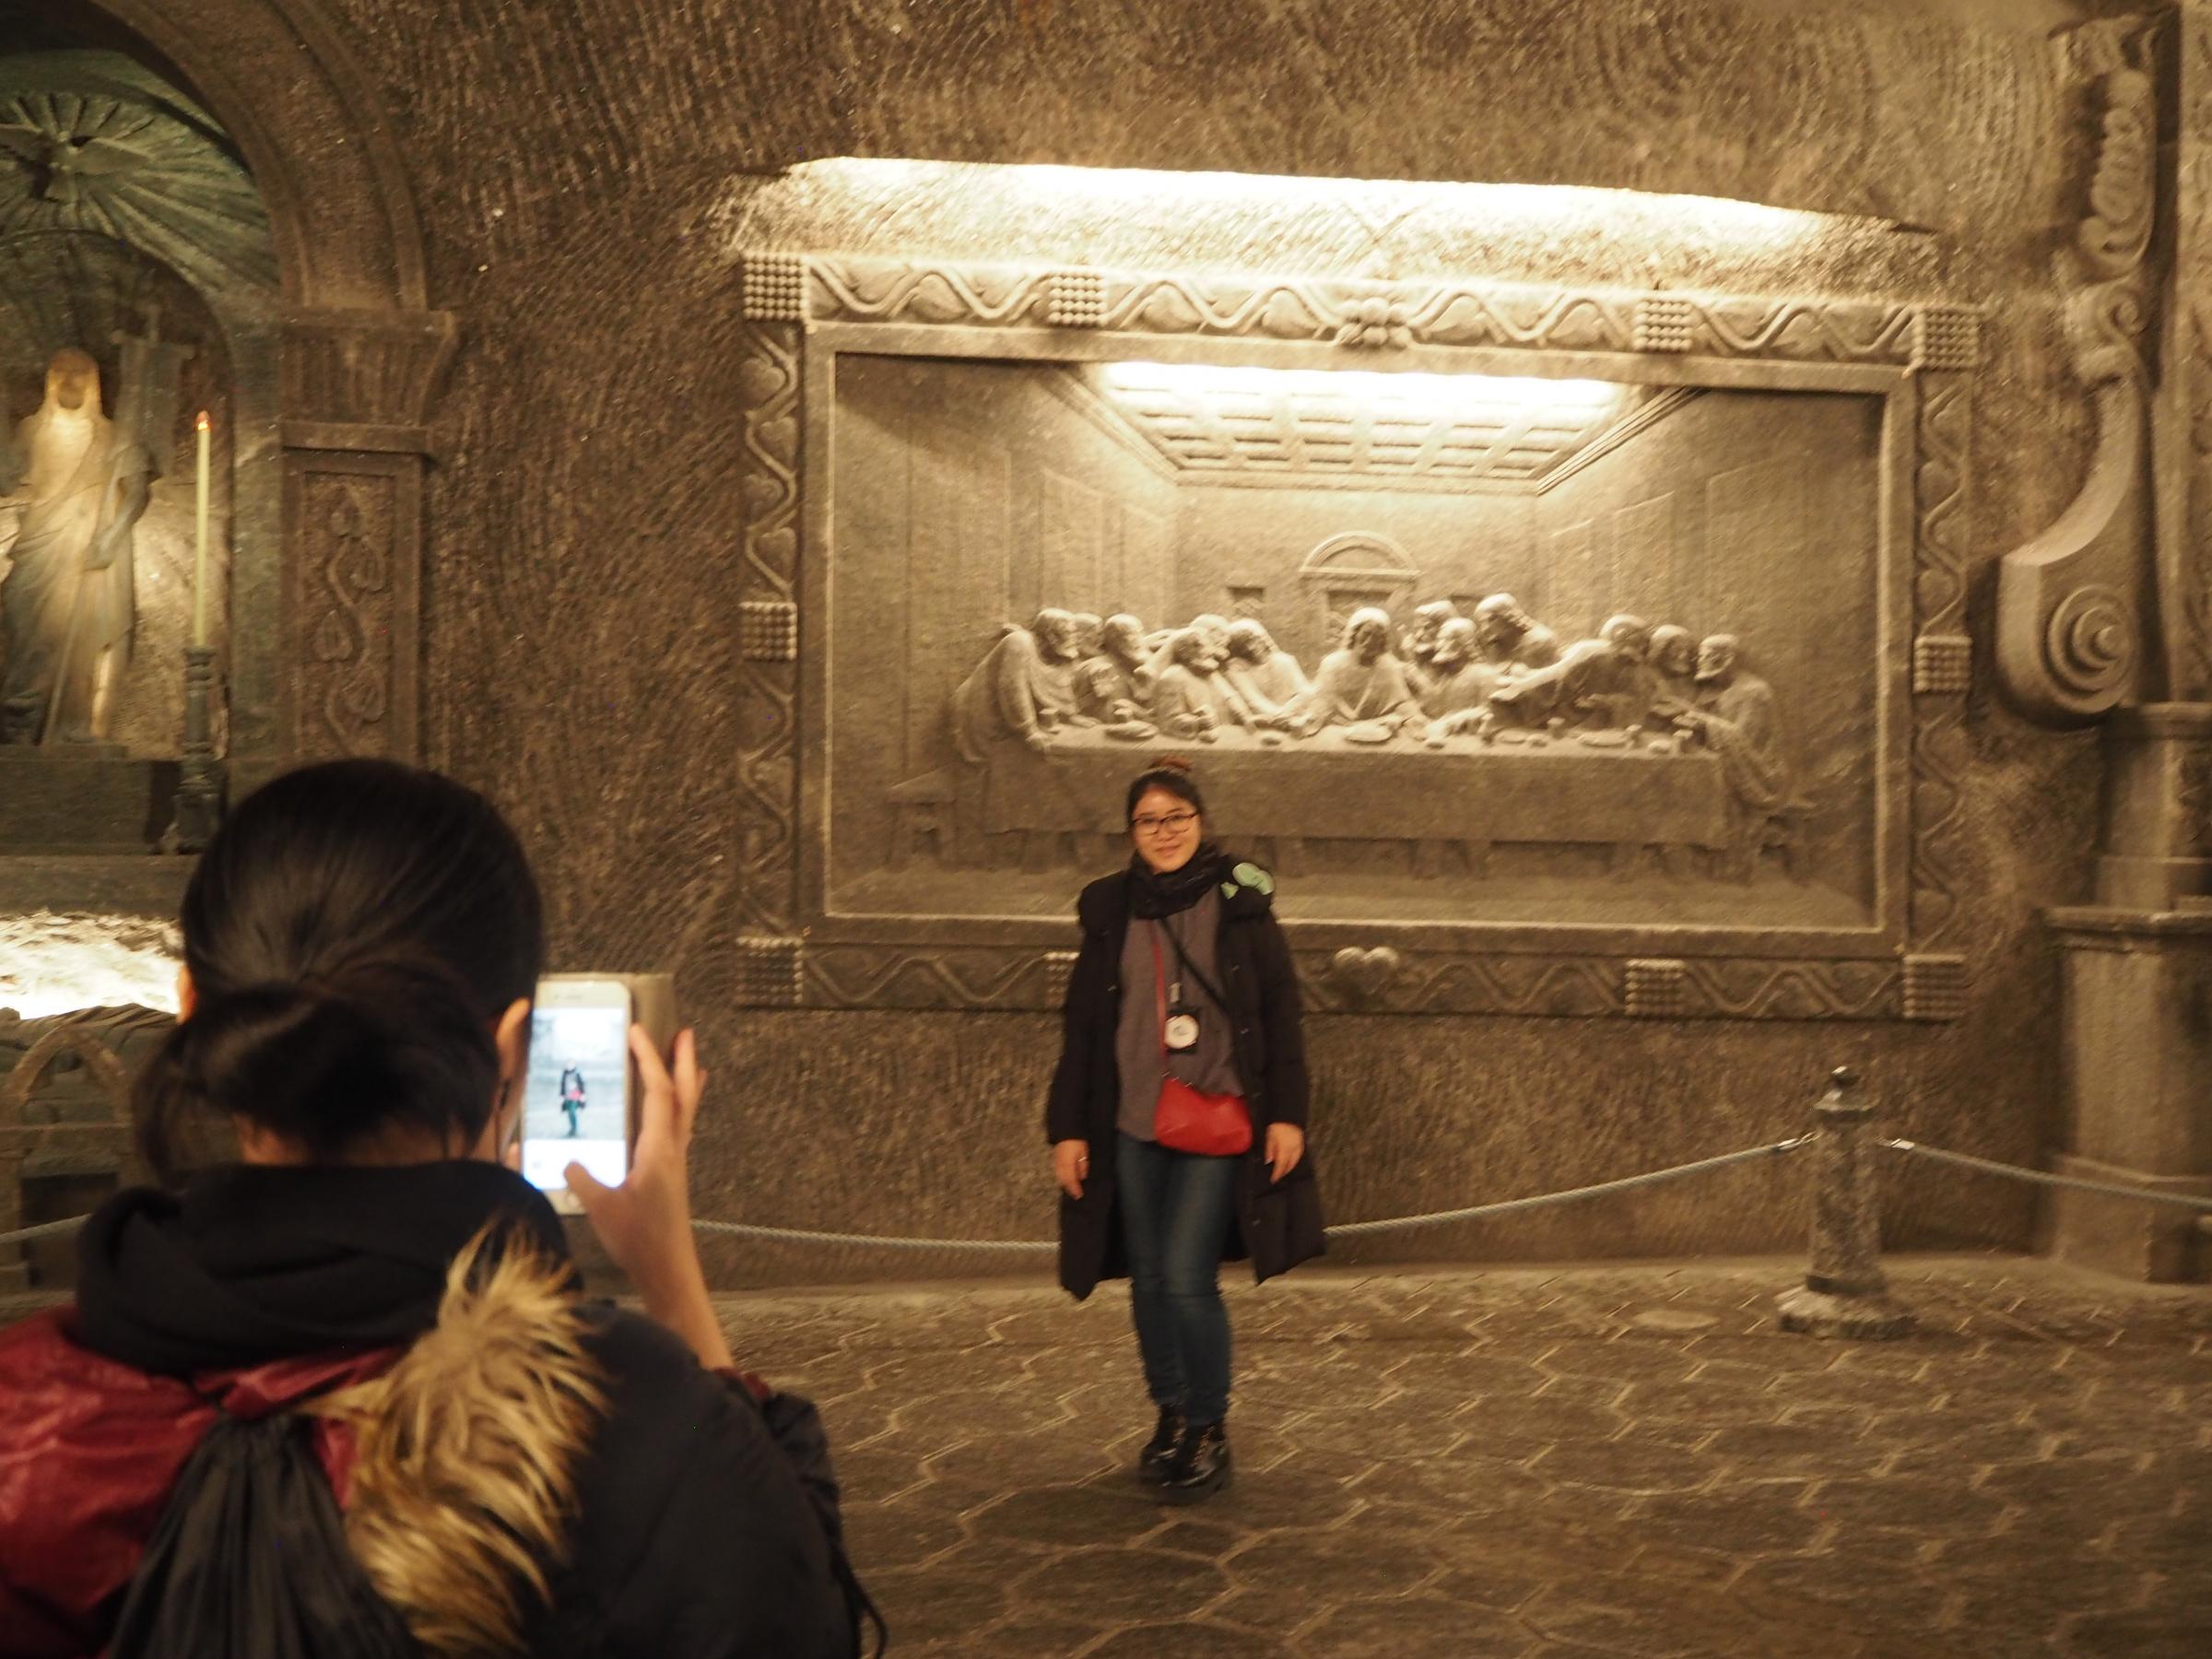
x=579 y=1085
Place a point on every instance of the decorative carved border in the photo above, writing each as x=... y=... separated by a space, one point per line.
x=1371 y=315
x=792 y=957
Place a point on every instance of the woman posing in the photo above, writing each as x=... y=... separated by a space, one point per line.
x=1184 y=983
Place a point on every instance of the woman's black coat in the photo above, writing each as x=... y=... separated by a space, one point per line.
x=1277 y=1224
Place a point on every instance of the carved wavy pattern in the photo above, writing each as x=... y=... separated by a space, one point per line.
x=1939 y=749
x=768 y=385
x=1810 y=329
x=1756 y=990
x=933 y=293
x=892 y=977
x=1940 y=502
x=1369 y=315
x=1465 y=985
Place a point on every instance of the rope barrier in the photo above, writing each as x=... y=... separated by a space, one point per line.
x=1990 y=1166
x=44 y=1230
x=1476 y=1212
x=1537 y=1201
x=800 y=1235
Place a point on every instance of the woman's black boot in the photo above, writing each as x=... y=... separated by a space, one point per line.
x=1199 y=1467
x=1152 y=1462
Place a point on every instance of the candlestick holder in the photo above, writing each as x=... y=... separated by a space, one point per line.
x=199 y=805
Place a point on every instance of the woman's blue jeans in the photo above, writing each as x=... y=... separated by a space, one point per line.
x=1175 y=1212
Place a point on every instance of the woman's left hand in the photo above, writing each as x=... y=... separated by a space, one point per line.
x=1286 y=1145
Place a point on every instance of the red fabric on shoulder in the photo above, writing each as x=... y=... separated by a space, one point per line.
x=88 y=1450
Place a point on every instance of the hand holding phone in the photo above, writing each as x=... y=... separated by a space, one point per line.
x=645 y=1222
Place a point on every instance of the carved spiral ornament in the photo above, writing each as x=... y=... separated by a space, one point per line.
x=2090 y=639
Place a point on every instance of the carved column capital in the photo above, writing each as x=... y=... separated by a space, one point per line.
x=365 y=381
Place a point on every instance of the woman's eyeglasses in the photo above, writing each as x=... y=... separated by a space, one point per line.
x=1165 y=823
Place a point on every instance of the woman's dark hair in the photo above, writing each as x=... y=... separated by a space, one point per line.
x=1171 y=772
x=354 y=931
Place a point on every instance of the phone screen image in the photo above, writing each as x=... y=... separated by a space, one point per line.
x=573 y=1110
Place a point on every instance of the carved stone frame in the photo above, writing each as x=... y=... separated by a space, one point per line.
x=802 y=311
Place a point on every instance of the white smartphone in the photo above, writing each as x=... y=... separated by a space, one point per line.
x=577 y=1086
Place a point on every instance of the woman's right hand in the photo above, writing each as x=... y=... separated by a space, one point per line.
x=1070 y=1165
x=645 y=1223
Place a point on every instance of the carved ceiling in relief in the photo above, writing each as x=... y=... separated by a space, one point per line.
x=90 y=144
x=1432 y=432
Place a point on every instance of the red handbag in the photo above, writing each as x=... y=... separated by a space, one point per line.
x=1186 y=1119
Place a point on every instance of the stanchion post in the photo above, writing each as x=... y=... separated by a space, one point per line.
x=1844 y=1293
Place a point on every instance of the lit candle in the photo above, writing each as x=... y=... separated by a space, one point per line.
x=199 y=546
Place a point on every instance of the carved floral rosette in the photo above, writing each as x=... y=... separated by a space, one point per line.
x=1921 y=357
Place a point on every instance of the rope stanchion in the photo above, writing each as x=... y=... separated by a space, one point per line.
x=1990 y=1166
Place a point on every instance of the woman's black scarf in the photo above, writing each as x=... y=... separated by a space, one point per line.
x=253 y=1263
x=1154 y=894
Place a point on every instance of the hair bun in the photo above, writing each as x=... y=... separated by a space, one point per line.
x=1173 y=763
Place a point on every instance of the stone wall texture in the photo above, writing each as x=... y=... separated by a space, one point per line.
x=576 y=167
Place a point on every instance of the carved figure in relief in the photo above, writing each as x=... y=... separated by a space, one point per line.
x=1601 y=683
x=67 y=604
x=1673 y=664
x=1024 y=688
x=1509 y=635
x=1266 y=675
x=1359 y=684
x=1455 y=692
x=1735 y=719
x=1418 y=648
x=1190 y=699
x=1121 y=642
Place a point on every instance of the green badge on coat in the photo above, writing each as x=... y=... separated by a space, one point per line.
x=1250 y=876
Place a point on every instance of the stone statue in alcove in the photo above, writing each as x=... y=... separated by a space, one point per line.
x=67 y=602
x=1360 y=685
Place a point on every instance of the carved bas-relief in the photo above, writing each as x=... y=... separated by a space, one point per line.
x=1522 y=671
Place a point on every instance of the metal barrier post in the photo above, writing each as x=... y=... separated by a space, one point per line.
x=1844 y=1293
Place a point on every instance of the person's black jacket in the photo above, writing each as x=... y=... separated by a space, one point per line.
x=336 y=1410
x=1277 y=1224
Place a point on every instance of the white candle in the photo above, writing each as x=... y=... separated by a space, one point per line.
x=199 y=548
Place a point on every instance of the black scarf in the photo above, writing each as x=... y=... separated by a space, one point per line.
x=1153 y=894
x=257 y=1262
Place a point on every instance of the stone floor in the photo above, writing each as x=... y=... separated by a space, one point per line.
x=1588 y=1460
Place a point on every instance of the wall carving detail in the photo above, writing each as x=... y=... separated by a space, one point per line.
x=822 y=932
x=2069 y=640
x=344 y=552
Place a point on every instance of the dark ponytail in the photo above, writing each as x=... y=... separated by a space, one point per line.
x=354 y=932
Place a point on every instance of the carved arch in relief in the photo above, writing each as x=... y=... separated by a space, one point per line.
x=1355 y=568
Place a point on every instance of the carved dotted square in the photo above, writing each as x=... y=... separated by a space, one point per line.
x=1077 y=299
x=1658 y=987
x=775 y=287
x=1665 y=323
x=1947 y=338
x=1942 y=665
x=1058 y=965
x=767 y=630
x=1935 y=987
x=768 y=972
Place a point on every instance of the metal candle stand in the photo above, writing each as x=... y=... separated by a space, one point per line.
x=199 y=803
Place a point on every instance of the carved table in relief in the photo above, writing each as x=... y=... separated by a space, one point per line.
x=1327 y=788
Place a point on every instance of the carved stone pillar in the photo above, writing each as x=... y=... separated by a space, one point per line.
x=358 y=387
x=2107 y=609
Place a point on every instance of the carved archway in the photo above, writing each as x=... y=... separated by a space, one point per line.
x=361 y=359
x=1352 y=569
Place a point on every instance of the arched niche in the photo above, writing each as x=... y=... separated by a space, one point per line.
x=1351 y=571
x=336 y=362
